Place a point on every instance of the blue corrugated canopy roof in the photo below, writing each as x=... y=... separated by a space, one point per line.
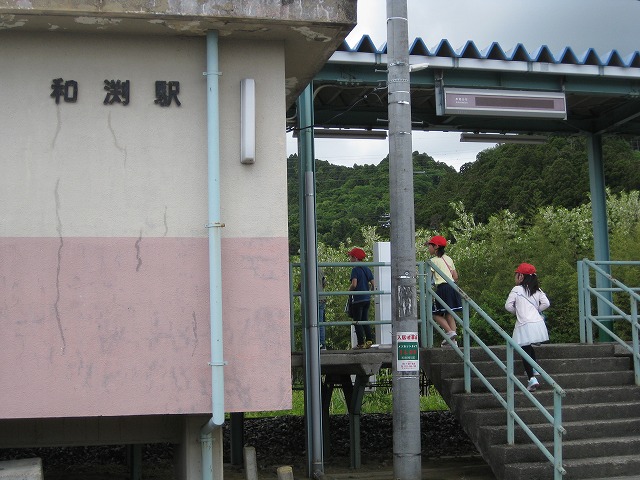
x=496 y=52
x=602 y=90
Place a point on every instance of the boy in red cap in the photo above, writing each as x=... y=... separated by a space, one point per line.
x=361 y=280
x=527 y=301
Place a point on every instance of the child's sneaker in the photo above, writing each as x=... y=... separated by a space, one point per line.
x=453 y=336
x=533 y=384
x=536 y=373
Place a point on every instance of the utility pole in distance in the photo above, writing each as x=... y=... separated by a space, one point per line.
x=405 y=362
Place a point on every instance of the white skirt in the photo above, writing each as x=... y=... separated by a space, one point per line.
x=527 y=333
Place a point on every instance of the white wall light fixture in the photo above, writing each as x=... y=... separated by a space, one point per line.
x=247 y=120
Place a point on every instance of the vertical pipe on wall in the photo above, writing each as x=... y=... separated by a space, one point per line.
x=215 y=269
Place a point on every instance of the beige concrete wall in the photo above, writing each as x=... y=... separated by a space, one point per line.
x=103 y=249
x=254 y=201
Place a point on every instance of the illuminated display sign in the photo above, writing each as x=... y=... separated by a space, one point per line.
x=504 y=103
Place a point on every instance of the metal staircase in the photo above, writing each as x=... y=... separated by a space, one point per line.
x=600 y=411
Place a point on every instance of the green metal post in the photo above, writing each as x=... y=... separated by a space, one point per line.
x=510 y=397
x=466 y=338
x=423 y=306
x=600 y=227
x=309 y=264
x=581 y=303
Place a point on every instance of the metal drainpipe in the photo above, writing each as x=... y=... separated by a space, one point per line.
x=215 y=256
x=313 y=395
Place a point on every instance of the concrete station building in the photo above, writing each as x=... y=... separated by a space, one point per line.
x=144 y=261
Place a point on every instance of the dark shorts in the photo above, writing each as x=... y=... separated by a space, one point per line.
x=449 y=296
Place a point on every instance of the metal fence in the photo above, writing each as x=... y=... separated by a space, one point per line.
x=598 y=307
x=427 y=296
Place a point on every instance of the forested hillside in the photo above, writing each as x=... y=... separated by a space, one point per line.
x=518 y=178
x=515 y=203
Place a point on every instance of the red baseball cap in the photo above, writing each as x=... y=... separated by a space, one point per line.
x=526 y=269
x=438 y=240
x=357 y=252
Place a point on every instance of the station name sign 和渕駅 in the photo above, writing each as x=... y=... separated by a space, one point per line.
x=117 y=91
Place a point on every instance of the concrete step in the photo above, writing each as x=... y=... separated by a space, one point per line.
x=460 y=402
x=463 y=402
x=552 y=350
x=25 y=469
x=599 y=384
x=580 y=469
x=629 y=477
x=566 y=381
x=570 y=413
x=571 y=449
x=581 y=429
x=551 y=365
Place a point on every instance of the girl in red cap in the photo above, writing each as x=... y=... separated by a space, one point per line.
x=361 y=280
x=527 y=301
x=445 y=291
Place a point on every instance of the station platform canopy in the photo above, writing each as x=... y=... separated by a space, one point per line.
x=491 y=90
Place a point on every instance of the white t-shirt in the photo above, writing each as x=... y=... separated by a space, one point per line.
x=527 y=308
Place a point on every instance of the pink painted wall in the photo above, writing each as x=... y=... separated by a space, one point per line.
x=120 y=326
x=104 y=295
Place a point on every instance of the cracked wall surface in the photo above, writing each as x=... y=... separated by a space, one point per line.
x=103 y=245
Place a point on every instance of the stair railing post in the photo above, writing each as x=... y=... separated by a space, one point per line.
x=424 y=336
x=586 y=285
x=466 y=347
x=558 y=468
x=429 y=301
x=510 y=396
x=634 y=338
x=581 y=301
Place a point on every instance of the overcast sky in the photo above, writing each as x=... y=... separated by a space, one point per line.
x=603 y=25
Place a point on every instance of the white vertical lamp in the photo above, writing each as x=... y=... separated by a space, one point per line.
x=247 y=120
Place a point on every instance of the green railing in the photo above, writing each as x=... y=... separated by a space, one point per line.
x=508 y=403
x=293 y=293
x=590 y=275
x=427 y=296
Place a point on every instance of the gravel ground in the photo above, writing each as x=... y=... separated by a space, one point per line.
x=278 y=441
x=281 y=440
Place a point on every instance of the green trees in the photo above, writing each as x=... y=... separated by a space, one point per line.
x=518 y=178
x=516 y=203
x=553 y=239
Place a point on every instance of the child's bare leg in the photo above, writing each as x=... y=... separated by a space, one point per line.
x=451 y=323
x=442 y=321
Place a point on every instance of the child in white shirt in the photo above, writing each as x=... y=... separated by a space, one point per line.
x=527 y=301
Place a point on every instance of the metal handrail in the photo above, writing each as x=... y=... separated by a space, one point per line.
x=512 y=380
x=588 y=319
x=427 y=324
x=295 y=294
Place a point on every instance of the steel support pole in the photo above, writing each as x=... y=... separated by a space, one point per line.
x=406 y=374
x=600 y=225
x=309 y=260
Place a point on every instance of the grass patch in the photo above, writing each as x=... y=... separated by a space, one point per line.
x=376 y=400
